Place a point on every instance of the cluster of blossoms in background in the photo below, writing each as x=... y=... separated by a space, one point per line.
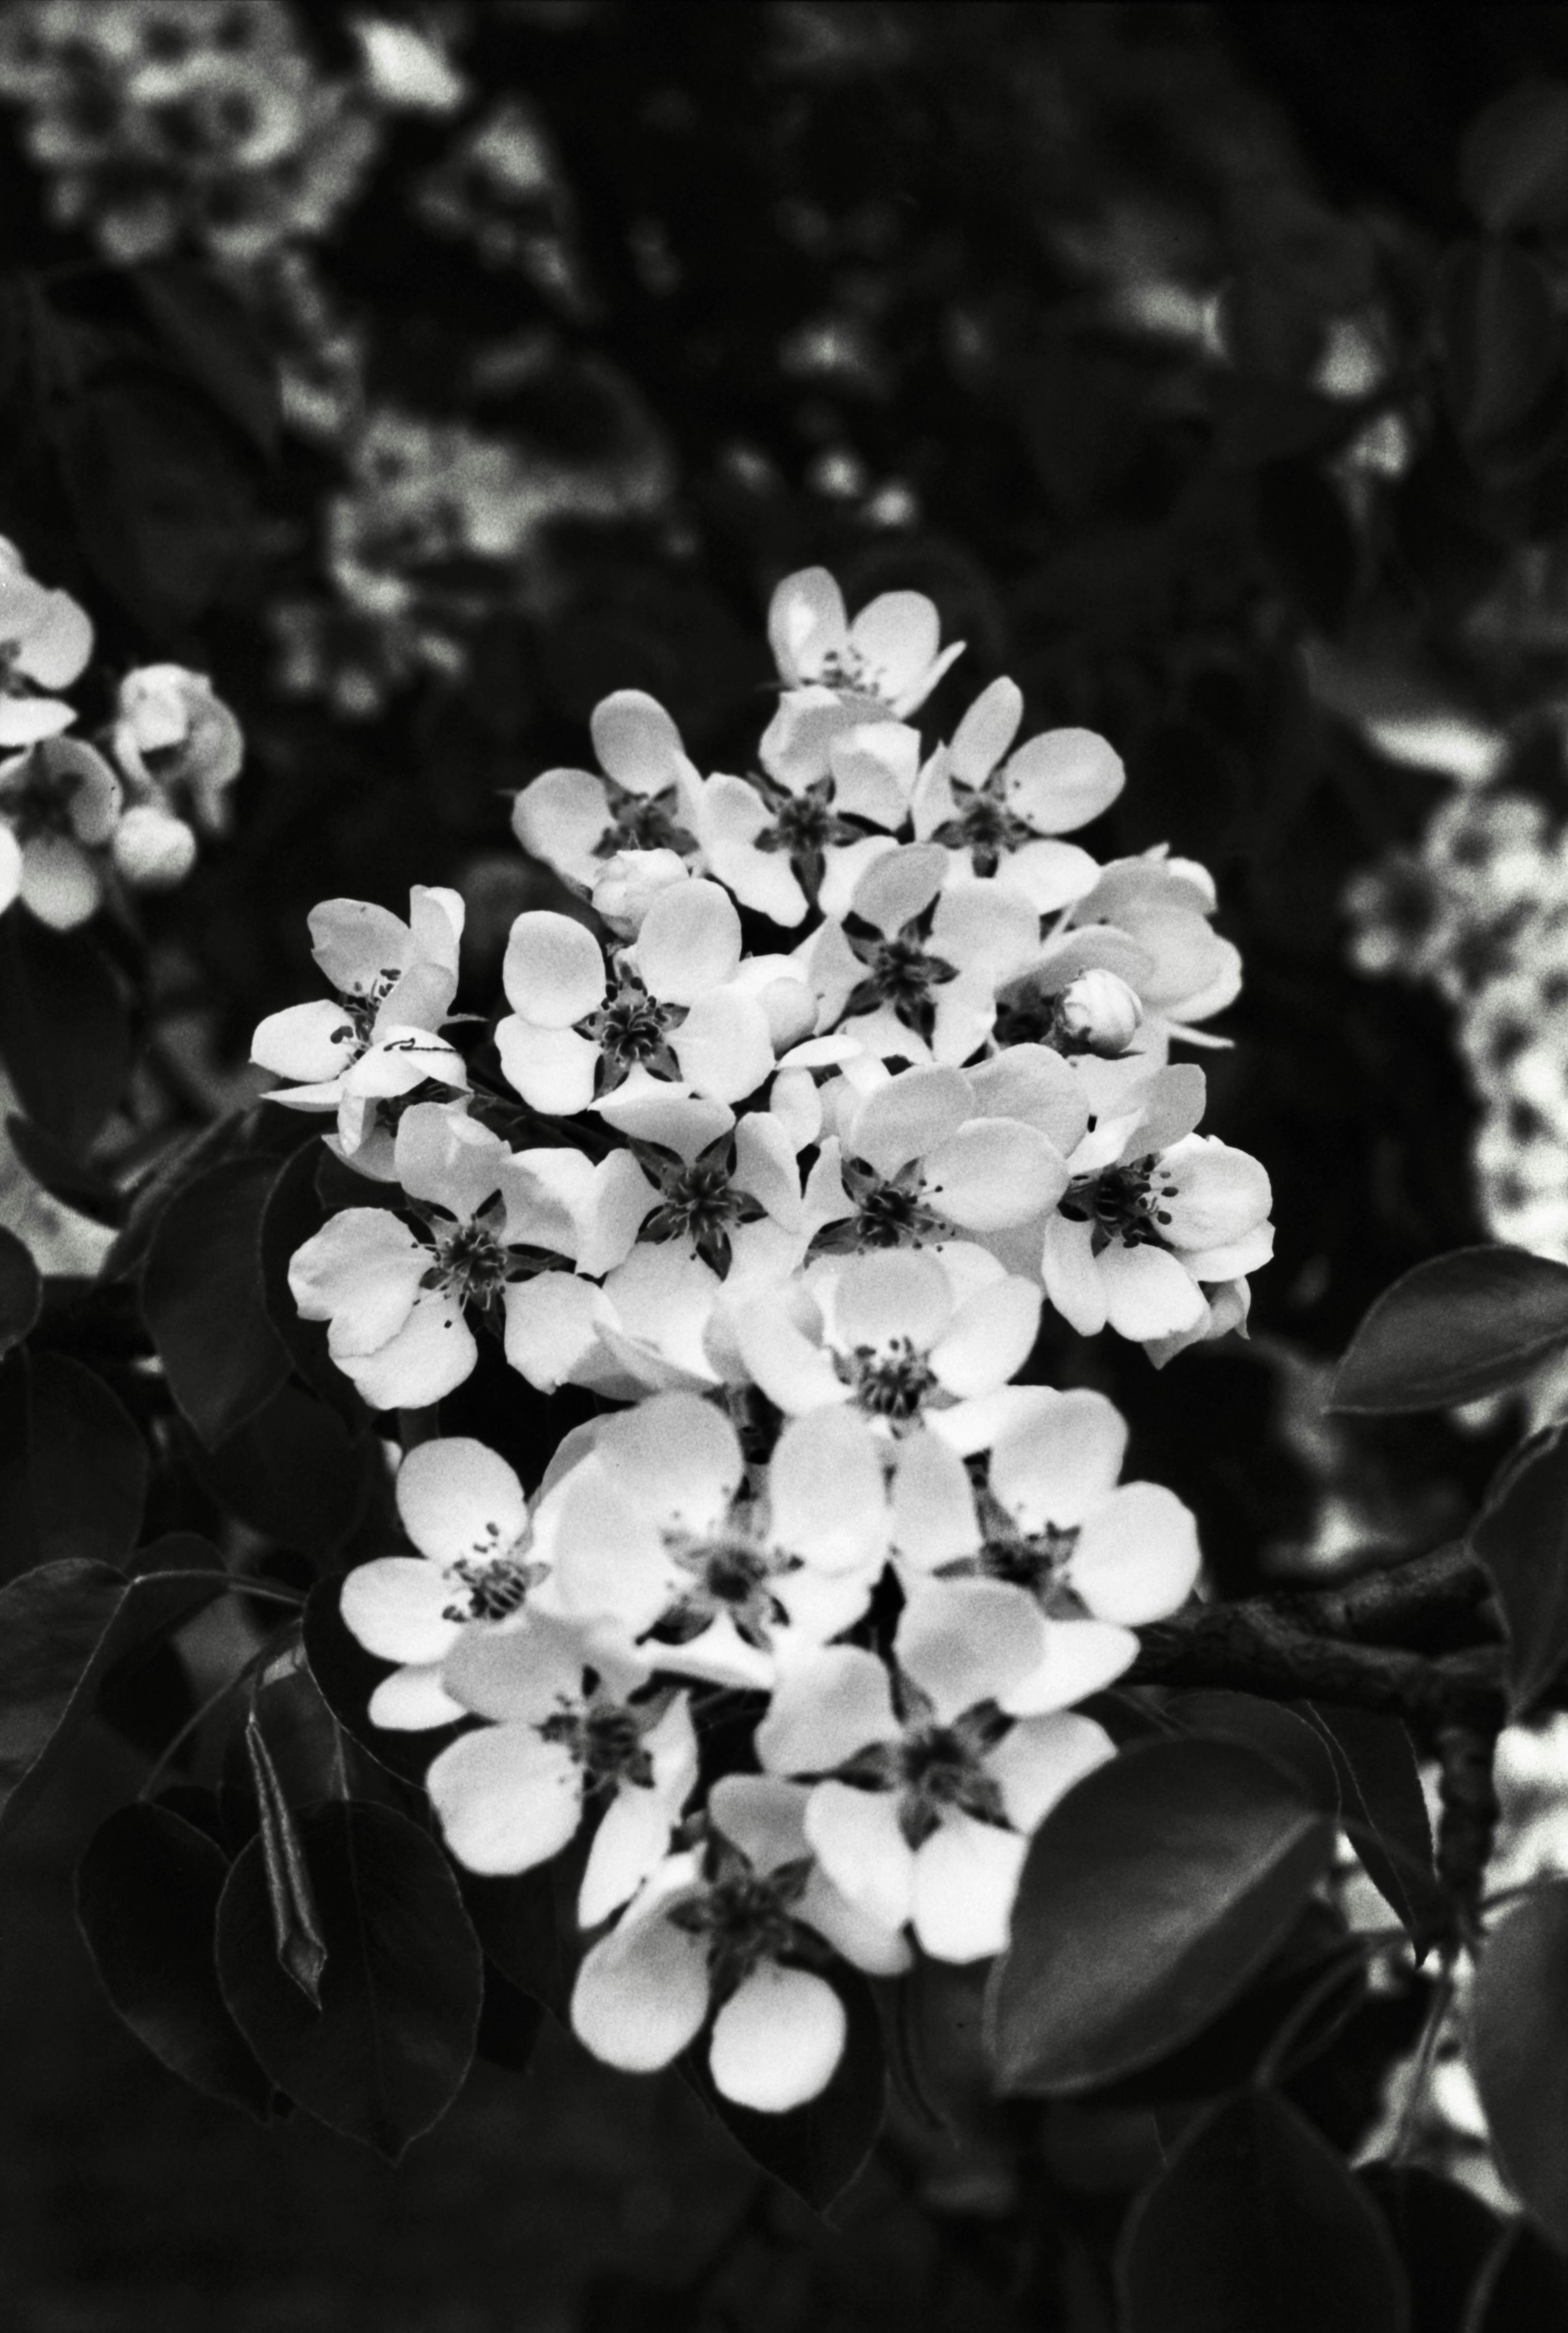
x=794 y=1212
x=78 y=814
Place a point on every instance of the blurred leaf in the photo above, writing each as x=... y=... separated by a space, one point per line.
x=1384 y=1812
x=147 y=1898
x=524 y=1922
x=218 y=339
x=510 y=2023
x=817 y=2150
x=202 y=1302
x=1523 y=2287
x=296 y=1936
x=20 y=1291
x=294 y=1470
x=1520 y=1535
x=1444 y=2234
x=1518 y=2051
x=63 y=1033
x=64 y=1176
x=387 y=2052
x=1463 y=1325
x=1257 y=2223
x=1284 y=1735
x=1501 y=340
x=1514 y=159
x=1153 y=1893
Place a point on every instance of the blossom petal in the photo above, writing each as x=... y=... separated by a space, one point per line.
x=637 y=741
x=1147 y=1291
x=356 y=944
x=825 y=1497
x=29 y=720
x=518 y=1676
x=561 y=818
x=395 y=1608
x=995 y=1172
x=895 y=638
x=807 y=621
x=307 y=1042
x=429 y=1357
x=825 y=1706
x=986 y=732
x=1071 y=1275
x=966 y=1876
x=506 y=1798
x=413 y=1701
x=864 y=1943
x=899 y=884
x=1032 y=1083
x=989 y=1338
x=1064 y=779
x=619 y=1200
x=763 y=1816
x=908 y=1115
x=609 y=1557
x=1059 y=1460
x=57 y=643
x=796 y=745
x=1050 y=875
x=965 y=1641
x=59 y=882
x=794 y=1374
x=689 y=941
x=777 y=2040
x=863 y=1850
x=1137 y=1556
x=765 y=1169
x=987 y=926
x=444 y=1155
x=631 y=1840
x=550 y=1326
x=553 y=972
x=361 y=1270
x=1213 y=1195
x=881 y=1301
x=459 y=1501
x=678 y=1457
x=724 y=1046
x=933 y=1509
x=1081 y=1657
x=554 y=1069
x=647 y=1109
x=642 y=1993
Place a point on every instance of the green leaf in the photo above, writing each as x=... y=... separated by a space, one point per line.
x=1501 y=340
x=203 y=1302
x=1255 y=2223
x=1153 y=1893
x=387 y=2052
x=63 y=1033
x=1384 y=1812
x=1463 y=1325
x=1520 y=1535
x=146 y=1900
x=20 y=1291
x=1513 y=160
x=1518 y=2051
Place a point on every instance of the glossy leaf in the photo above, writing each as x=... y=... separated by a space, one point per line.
x=527 y=1924
x=218 y=340
x=1521 y=1536
x=20 y=1291
x=294 y=1470
x=1513 y=160
x=64 y=1037
x=202 y=1297
x=1257 y=2223
x=1501 y=340
x=1153 y=1893
x=1518 y=2050
x=297 y=1938
x=1384 y=1814
x=291 y=1215
x=147 y=1898
x=387 y=2052
x=1443 y=2233
x=1282 y=1734
x=89 y=1464
x=1461 y=1326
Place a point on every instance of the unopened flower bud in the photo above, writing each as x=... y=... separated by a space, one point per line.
x=1099 y=1013
x=631 y=882
x=153 y=850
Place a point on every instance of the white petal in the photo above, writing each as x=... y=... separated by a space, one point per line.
x=1040 y=1759
x=964 y=1641
x=895 y=637
x=1081 y=1657
x=308 y=1041
x=724 y=1046
x=933 y=1510
x=995 y=1172
x=1072 y=1276
x=826 y=1500
x=545 y=1195
x=1147 y=1292
x=763 y=1816
x=561 y=818
x=966 y=1876
x=905 y=1118
x=10 y=867
x=991 y=1338
x=664 y=1299
x=443 y=1154
x=356 y=944
x=899 y=884
x=881 y=1301
x=361 y=1270
x=794 y=1374
x=864 y=1943
x=554 y=969
x=429 y=1357
x=460 y=1500
x=1137 y=1556
x=795 y=746
x=765 y=1169
x=1059 y=1460
x=413 y=1701
x=807 y=621
x=642 y=1993
x=1174 y=1103
x=777 y=2039
x=620 y=1198
x=689 y=941
x=401 y=1058
x=435 y=919
x=631 y=1840
x=1050 y=875
x=795 y=1101
x=1213 y=1195
x=554 y=1069
x=986 y=732
x=875 y=765
x=825 y=1706
x=29 y=720
x=59 y=882
x=1061 y=780
x=609 y=1558
x=843 y=865
x=646 y=1109
x=550 y=1326
x=396 y=1605
x=519 y=1674
x=506 y=1798
x=1032 y=1083
x=58 y=643
x=986 y=927
x=678 y=1457
x=863 y=1850
x=637 y=743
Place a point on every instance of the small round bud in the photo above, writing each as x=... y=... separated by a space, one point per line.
x=1099 y=1013
x=153 y=850
x=630 y=883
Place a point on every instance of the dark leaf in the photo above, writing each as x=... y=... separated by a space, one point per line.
x=1523 y=2287
x=19 y=1548
x=387 y=2052
x=202 y=1297
x=1384 y=1812
x=294 y=1470
x=293 y=1214
x=1520 y=1535
x=347 y=1676
x=1444 y=2234
x=297 y=1937
x=510 y=2023
x=1153 y=1893
x=1461 y=1326
x=63 y=1033
x=217 y=338
x=1257 y=2223
x=88 y=1464
x=523 y=1923
x=147 y=1898
x=63 y=1175
x=1501 y=342
x=20 y=1291
x=1518 y=2050
x=1513 y=160
x=817 y=2150
x=1282 y=1734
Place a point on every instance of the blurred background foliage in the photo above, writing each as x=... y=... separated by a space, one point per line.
x=425 y=374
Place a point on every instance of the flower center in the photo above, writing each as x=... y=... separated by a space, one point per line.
x=496 y=1586
x=939 y=1770
x=729 y=1572
x=607 y=1741
x=470 y=1260
x=1126 y=1202
x=1035 y=1561
x=891 y=1380
x=747 y=1916
x=639 y=824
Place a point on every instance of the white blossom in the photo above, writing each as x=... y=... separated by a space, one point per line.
x=575 y=821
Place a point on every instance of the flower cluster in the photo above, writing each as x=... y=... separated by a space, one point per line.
x=74 y=815
x=1479 y=912
x=163 y=124
x=802 y=1616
